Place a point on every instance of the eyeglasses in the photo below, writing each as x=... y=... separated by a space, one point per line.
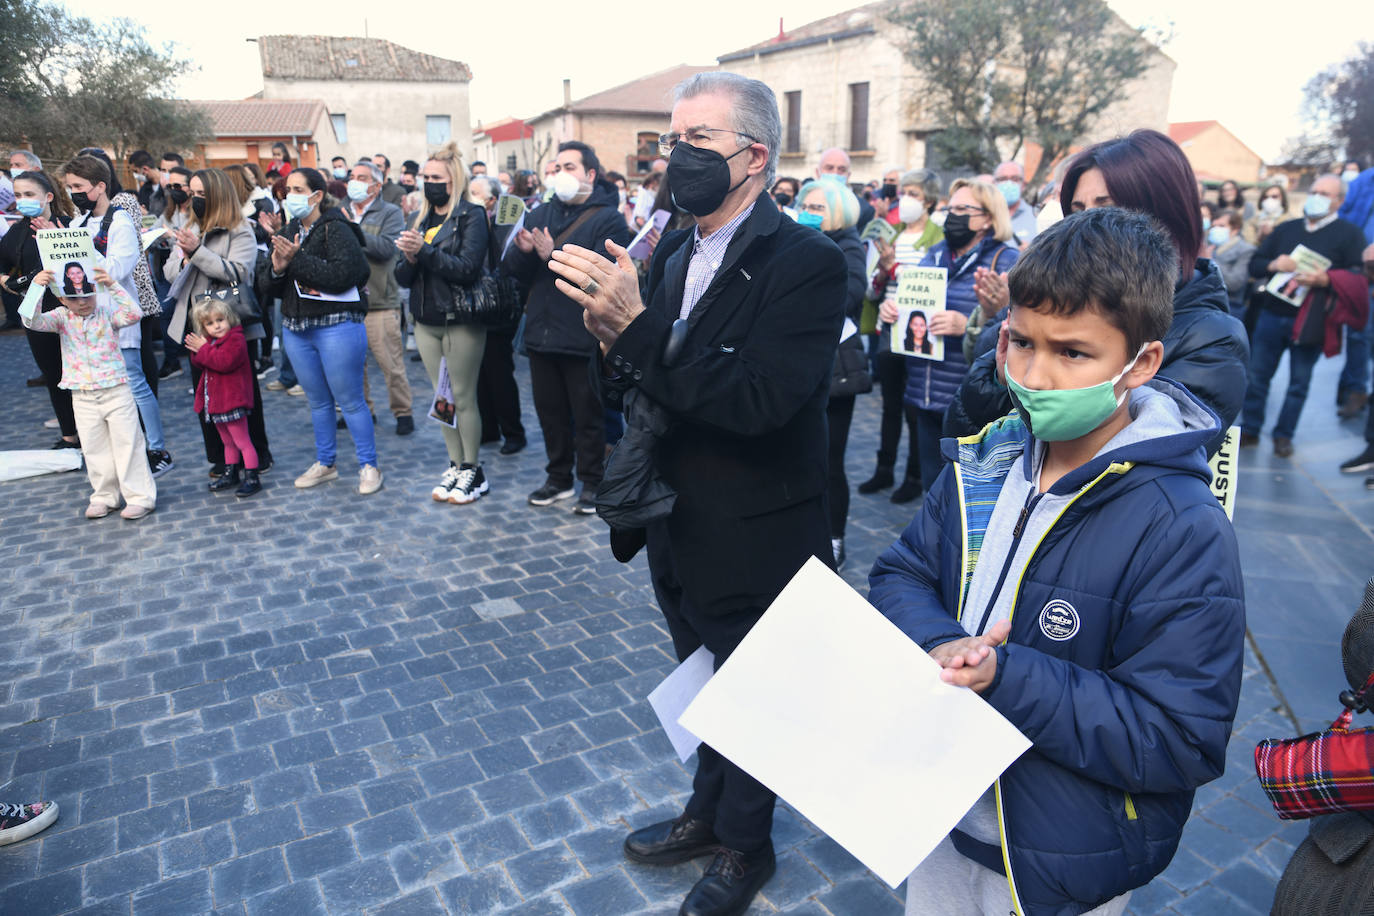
x=822 y=209
x=177 y=187
x=695 y=136
x=963 y=210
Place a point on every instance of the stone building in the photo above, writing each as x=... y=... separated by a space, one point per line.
x=843 y=81
x=505 y=145
x=1215 y=153
x=381 y=97
x=622 y=124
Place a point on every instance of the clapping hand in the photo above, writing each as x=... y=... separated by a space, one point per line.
x=194 y=342
x=991 y=289
x=409 y=243
x=187 y=241
x=972 y=661
x=283 y=250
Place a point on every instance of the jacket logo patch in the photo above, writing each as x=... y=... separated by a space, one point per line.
x=1059 y=620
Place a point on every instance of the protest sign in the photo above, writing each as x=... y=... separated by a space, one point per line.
x=1224 y=476
x=879 y=230
x=509 y=210
x=442 y=408
x=832 y=707
x=70 y=255
x=1285 y=286
x=920 y=297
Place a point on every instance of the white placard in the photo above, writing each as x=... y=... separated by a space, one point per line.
x=678 y=689
x=832 y=707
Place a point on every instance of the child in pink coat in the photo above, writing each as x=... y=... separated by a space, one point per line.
x=225 y=391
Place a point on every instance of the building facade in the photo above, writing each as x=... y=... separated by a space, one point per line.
x=381 y=97
x=505 y=145
x=244 y=131
x=844 y=81
x=1215 y=153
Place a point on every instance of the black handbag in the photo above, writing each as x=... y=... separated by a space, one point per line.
x=240 y=297
x=850 y=376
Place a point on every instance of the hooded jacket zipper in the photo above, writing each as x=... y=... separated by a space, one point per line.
x=1032 y=498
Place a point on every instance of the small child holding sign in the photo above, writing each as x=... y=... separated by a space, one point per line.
x=93 y=370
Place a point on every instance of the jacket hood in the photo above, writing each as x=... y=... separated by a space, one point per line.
x=1204 y=291
x=1168 y=432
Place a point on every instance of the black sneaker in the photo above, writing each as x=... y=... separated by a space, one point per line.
x=1364 y=461
x=549 y=494
x=512 y=446
x=160 y=461
x=405 y=425
x=586 y=505
x=169 y=370
x=63 y=443
x=908 y=491
x=263 y=367
x=469 y=485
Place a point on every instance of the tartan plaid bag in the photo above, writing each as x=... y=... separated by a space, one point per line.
x=1325 y=772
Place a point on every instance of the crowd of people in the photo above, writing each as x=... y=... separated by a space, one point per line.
x=1110 y=325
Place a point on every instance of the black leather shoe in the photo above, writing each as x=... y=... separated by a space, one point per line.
x=671 y=842
x=512 y=446
x=908 y=491
x=730 y=883
x=881 y=480
x=226 y=481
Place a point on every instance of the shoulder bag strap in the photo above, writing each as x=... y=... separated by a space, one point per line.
x=582 y=218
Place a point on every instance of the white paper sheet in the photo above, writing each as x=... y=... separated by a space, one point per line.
x=678 y=689
x=32 y=297
x=33 y=462
x=514 y=231
x=831 y=706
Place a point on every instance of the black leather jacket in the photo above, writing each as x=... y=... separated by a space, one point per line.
x=1205 y=350
x=453 y=261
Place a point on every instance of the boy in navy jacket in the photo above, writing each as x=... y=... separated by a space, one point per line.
x=1072 y=566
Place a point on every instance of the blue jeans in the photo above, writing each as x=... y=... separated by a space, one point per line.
x=1355 y=375
x=145 y=399
x=329 y=365
x=1273 y=335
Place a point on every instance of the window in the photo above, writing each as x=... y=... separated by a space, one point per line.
x=340 y=125
x=437 y=130
x=646 y=151
x=510 y=162
x=858 y=116
x=792 y=126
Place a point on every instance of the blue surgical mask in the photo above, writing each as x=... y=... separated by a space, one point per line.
x=1316 y=206
x=29 y=206
x=811 y=220
x=341 y=174
x=1217 y=235
x=1206 y=223
x=357 y=191
x=835 y=177
x=1011 y=192
x=297 y=205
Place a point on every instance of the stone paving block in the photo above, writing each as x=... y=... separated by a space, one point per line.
x=200 y=849
x=320 y=853
x=420 y=903
x=300 y=899
x=607 y=894
x=148 y=825
x=359 y=885
x=219 y=805
x=76 y=847
x=174 y=897
x=426 y=862
x=47 y=896
x=377 y=835
x=111 y=801
x=485 y=891
x=182 y=781
x=443 y=813
x=267 y=828
x=121 y=874
x=490 y=841
x=1212 y=901
x=247 y=875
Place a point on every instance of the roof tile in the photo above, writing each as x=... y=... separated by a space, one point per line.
x=329 y=57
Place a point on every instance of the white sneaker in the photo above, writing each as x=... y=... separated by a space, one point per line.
x=440 y=493
x=315 y=475
x=296 y=391
x=472 y=483
x=50 y=423
x=369 y=479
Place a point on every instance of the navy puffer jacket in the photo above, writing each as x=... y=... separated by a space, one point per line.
x=1205 y=350
x=931 y=385
x=1130 y=711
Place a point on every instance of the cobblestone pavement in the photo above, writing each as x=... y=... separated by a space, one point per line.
x=315 y=702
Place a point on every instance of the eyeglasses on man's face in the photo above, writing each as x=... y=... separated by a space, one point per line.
x=695 y=136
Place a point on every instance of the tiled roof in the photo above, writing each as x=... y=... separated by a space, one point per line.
x=328 y=57
x=861 y=20
x=504 y=130
x=1183 y=131
x=261 y=118
x=652 y=94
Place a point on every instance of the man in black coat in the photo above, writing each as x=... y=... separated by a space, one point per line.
x=584 y=211
x=735 y=346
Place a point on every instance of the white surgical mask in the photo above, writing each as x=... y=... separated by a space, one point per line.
x=357 y=191
x=1271 y=206
x=15 y=173
x=566 y=186
x=909 y=210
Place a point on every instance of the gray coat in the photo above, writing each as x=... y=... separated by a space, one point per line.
x=1233 y=258
x=212 y=263
x=382 y=224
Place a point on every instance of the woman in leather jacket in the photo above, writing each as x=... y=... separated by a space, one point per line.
x=442 y=257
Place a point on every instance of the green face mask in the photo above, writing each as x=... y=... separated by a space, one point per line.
x=1058 y=415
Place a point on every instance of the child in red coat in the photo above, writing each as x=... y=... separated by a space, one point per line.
x=225 y=391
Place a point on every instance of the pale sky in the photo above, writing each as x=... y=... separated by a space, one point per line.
x=1240 y=62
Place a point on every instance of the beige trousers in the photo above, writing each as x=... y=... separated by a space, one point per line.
x=384 y=342
x=114 y=448
x=461 y=345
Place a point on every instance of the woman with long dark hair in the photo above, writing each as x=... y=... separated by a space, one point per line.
x=1205 y=348
x=318 y=267
x=74 y=281
x=44 y=204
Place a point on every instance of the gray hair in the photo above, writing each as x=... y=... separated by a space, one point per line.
x=377 y=174
x=492 y=188
x=755 y=109
x=927 y=181
x=35 y=164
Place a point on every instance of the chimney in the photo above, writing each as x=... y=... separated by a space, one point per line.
x=782 y=36
x=567 y=93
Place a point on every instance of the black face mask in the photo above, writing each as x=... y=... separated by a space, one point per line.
x=178 y=195
x=889 y=191
x=82 y=201
x=957 y=232
x=437 y=194
x=198 y=207
x=700 y=178
x=783 y=198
